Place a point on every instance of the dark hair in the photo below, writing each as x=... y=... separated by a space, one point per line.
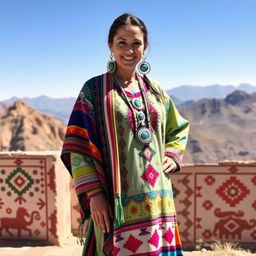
x=127 y=19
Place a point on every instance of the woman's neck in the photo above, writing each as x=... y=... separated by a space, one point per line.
x=126 y=77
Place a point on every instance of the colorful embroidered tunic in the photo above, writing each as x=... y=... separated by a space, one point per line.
x=145 y=214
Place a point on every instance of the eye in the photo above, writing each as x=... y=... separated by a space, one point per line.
x=137 y=44
x=121 y=43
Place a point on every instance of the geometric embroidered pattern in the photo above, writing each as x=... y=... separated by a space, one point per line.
x=119 y=238
x=143 y=232
x=115 y=251
x=168 y=236
x=232 y=191
x=154 y=240
x=132 y=244
x=19 y=181
x=150 y=175
x=147 y=153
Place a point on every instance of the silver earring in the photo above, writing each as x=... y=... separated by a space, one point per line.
x=144 y=67
x=111 y=66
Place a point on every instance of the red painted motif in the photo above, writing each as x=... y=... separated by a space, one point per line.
x=1 y=203
x=209 y=180
x=233 y=169
x=51 y=184
x=207 y=234
x=231 y=225
x=232 y=191
x=198 y=224
x=254 y=205
x=207 y=204
x=19 y=222
x=53 y=222
x=254 y=180
x=18 y=162
x=198 y=191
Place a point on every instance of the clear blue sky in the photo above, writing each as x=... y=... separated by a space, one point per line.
x=51 y=47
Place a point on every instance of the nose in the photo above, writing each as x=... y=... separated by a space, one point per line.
x=130 y=48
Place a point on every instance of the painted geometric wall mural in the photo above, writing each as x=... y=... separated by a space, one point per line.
x=216 y=202
x=213 y=202
x=26 y=211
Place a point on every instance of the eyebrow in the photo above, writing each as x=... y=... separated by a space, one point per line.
x=121 y=38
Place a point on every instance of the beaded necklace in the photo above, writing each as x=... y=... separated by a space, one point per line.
x=143 y=132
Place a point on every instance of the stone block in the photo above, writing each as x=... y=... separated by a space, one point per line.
x=35 y=197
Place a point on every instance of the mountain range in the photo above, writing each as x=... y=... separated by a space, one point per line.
x=188 y=92
x=23 y=128
x=221 y=129
x=183 y=96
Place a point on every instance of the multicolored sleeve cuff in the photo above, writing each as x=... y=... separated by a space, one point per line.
x=176 y=158
x=85 y=176
x=94 y=192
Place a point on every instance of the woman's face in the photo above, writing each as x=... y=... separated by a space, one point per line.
x=128 y=47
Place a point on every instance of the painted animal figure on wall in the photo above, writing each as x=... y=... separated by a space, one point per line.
x=19 y=222
x=231 y=226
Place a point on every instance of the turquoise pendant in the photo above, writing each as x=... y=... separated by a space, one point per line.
x=144 y=67
x=111 y=66
x=143 y=135
x=137 y=104
x=141 y=116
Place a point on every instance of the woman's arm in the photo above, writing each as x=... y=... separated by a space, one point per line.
x=87 y=182
x=176 y=136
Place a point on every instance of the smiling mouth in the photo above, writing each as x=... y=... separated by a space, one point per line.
x=128 y=58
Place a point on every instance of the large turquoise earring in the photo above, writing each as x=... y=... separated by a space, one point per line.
x=111 y=66
x=144 y=67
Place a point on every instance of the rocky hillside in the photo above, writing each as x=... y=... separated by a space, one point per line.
x=23 y=128
x=3 y=109
x=222 y=129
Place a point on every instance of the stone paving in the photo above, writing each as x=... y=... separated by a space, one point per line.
x=9 y=248
x=67 y=251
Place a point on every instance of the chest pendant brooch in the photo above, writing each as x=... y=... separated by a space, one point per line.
x=141 y=118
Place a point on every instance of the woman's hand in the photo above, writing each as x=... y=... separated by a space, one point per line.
x=101 y=211
x=169 y=165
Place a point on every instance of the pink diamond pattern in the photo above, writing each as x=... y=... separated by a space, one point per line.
x=132 y=244
x=154 y=240
x=147 y=153
x=150 y=175
x=168 y=236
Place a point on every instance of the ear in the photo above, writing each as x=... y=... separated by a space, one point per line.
x=110 y=46
x=145 y=49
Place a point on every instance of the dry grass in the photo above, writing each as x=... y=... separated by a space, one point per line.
x=222 y=249
x=228 y=249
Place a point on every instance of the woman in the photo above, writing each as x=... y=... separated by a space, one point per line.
x=124 y=138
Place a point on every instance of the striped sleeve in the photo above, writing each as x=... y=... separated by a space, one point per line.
x=85 y=176
x=176 y=137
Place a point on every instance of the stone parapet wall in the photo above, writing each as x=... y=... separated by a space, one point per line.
x=213 y=202
x=34 y=198
x=216 y=202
